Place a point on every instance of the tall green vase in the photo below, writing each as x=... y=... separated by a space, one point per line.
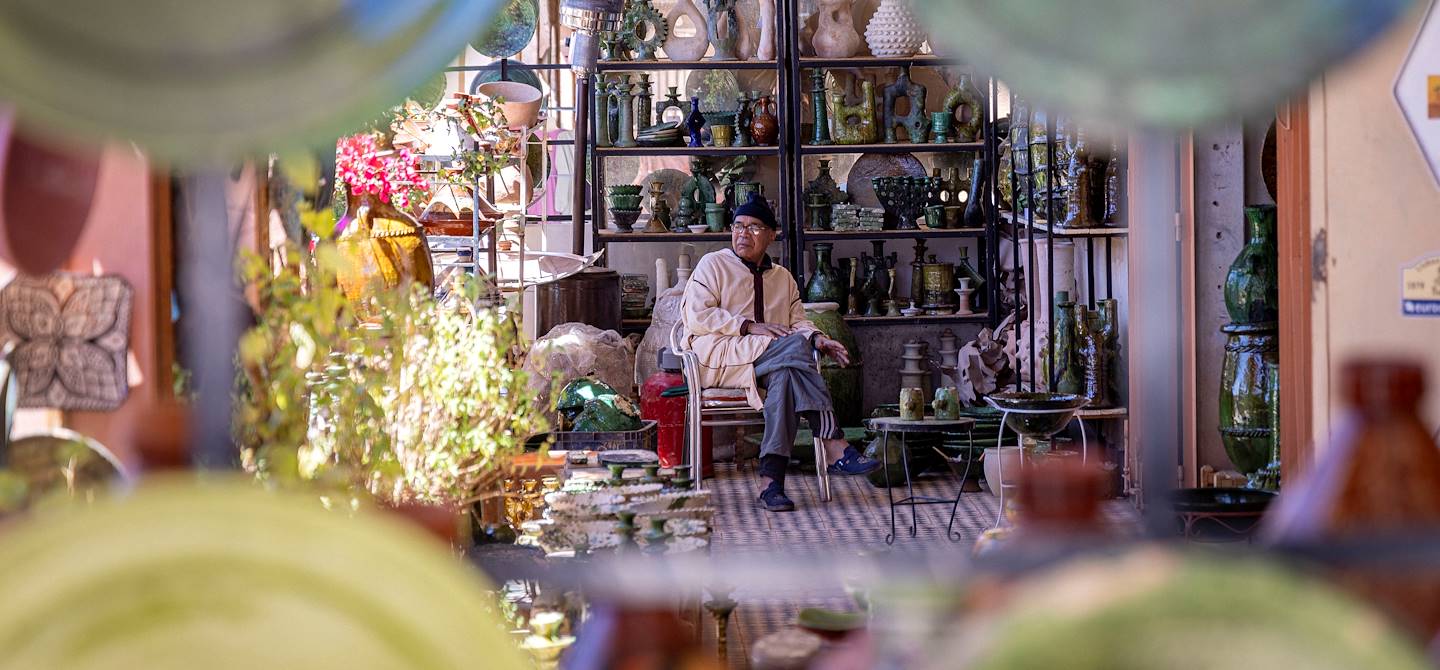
x=846 y=384
x=1252 y=286
x=1252 y=351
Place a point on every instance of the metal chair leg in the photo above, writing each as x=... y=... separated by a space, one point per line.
x=822 y=469
x=695 y=430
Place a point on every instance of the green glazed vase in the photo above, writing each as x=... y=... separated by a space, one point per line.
x=845 y=384
x=1252 y=286
x=824 y=285
x=1252 y=355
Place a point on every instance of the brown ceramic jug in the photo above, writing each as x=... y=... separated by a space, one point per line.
x=765 y=128
x=1380 y=474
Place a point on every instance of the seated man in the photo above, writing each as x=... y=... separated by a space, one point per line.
x=744 y=321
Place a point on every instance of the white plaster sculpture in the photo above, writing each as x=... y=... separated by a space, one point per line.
x=894 y=32
x=692 y=45
x=835 y=35
x=765 y=50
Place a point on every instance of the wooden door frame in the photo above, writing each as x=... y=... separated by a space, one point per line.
x=1296 y=249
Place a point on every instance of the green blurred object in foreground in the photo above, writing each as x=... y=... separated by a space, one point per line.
x=1154 y=608
x=1166 y=64
x=212 y=80
x=227 y=576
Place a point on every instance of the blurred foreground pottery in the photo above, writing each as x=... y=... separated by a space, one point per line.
x=1381 y=473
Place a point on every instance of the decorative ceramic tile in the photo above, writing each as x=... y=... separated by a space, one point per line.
x=71 y=334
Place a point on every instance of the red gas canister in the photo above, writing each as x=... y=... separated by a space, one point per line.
x=669 y=414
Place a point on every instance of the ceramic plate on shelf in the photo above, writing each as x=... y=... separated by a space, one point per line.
x=629 y=457
x=718 y=90
x=674 y=180
x=512 y=28
x=857 y=183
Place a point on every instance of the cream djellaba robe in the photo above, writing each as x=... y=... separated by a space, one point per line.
x=719 y=299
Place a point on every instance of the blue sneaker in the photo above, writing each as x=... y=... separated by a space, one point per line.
x=773 y=499
x=854 y=463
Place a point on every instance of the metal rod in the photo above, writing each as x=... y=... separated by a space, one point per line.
x=1016 y=137
x=212 y=323
x=582 y=152
x=1090 y=271
x=1050 y=189
x=1030 y=274
x=1109 y=271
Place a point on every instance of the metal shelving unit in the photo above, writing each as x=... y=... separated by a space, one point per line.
x=1027 y=227
x=781 y=152
x=796 y=86
x=893 y=148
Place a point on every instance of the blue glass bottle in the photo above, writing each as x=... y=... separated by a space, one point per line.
x=695 y=122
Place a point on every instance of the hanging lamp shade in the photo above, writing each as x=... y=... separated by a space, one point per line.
x=214 y=80
x=1158 y=64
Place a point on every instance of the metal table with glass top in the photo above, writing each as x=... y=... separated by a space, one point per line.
x=887 y=425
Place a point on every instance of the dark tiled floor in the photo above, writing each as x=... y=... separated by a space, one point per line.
x=857 y=519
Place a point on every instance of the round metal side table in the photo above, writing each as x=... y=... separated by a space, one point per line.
x=887 y=425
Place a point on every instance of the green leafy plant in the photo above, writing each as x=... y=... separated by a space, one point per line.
x=416 y=403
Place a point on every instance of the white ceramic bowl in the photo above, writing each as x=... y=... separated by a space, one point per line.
x=522 y=101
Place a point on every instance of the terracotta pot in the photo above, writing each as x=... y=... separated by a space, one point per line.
x=765 y=128
x=384 y=247
x=522 y=101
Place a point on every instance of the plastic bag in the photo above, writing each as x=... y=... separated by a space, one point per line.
x=573 y=350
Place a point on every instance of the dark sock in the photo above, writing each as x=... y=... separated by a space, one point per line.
x=774 y=466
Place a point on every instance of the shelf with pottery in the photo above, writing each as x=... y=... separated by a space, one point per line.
x=817 y=235
x=1043 y=226
x=894 y=148
x=974 y=317
x=918 y=60
x=610 y=236
x=606 y=152
x=663 y=65
x=1103 y=413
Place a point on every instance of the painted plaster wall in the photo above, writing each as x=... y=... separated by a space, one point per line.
x=1375 y=208
x=1219 y=235
x=117 y=240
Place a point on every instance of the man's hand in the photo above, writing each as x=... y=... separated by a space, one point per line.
x=771 y=329
x=833 y=349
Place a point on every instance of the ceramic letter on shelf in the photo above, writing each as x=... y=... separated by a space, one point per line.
x=722 y=27
x=766 y=49
x=894 y=32
x=835 y=35
x=694 y=46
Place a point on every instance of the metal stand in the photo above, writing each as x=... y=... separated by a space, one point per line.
x=999 y=445
x=885 y=426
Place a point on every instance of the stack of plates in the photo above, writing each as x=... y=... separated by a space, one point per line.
x=662 y=135
x=852 y=217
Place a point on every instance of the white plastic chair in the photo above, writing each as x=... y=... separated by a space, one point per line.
x=723 y=407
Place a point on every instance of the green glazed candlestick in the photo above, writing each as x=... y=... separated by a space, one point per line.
x=821 y=134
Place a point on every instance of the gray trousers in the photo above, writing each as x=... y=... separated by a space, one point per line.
x=793 y=388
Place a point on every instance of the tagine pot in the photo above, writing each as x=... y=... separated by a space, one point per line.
x=381 y=248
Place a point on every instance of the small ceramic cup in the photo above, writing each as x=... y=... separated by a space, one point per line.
x=722 y=135
x=939 y=127
x=947 y=403
x=912 y=404
x=935 y=216
x=715 y=217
